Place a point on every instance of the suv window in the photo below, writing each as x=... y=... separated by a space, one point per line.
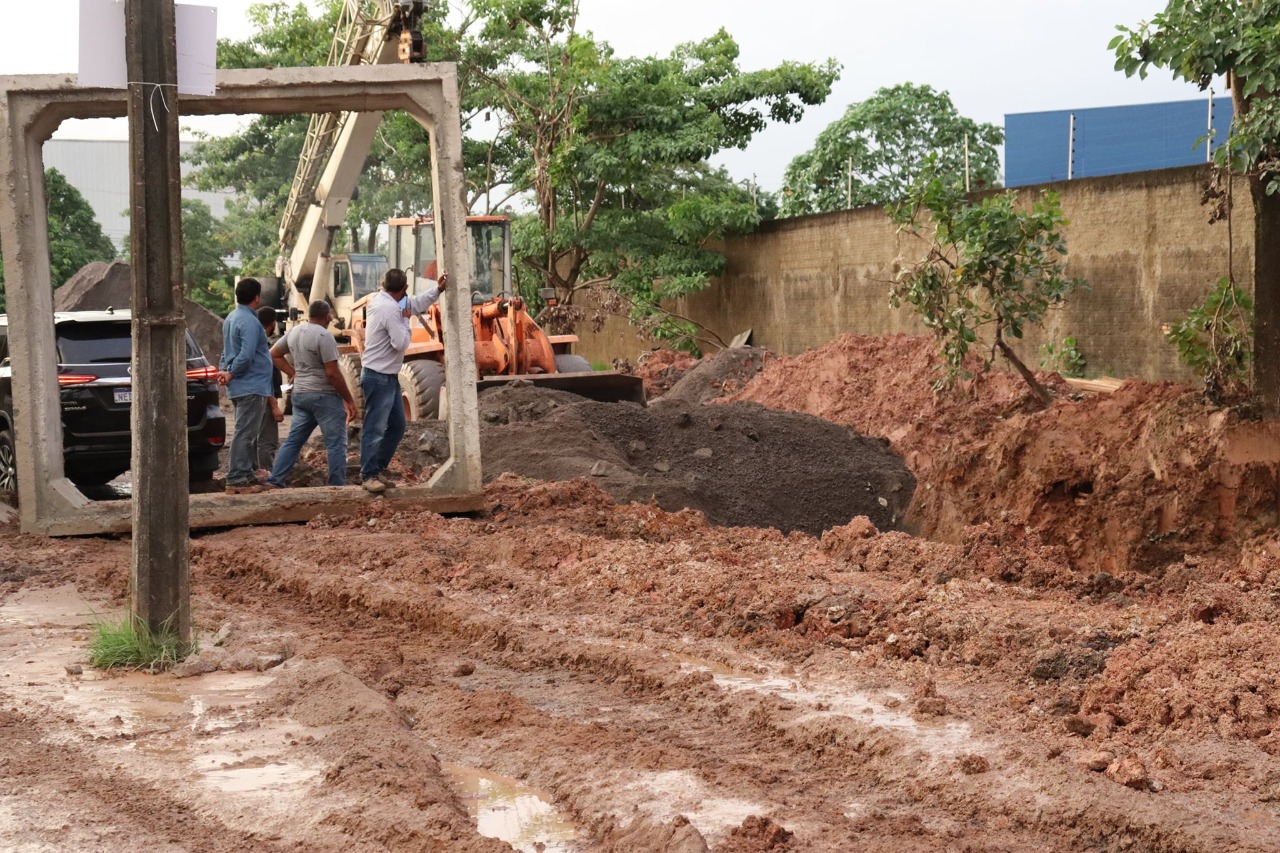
x=94 y=343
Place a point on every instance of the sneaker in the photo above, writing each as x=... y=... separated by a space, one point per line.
x=373 y=486
x=249 y=488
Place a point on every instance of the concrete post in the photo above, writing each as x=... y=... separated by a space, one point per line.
x=160 y=509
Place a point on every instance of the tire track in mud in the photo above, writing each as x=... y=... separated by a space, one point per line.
x=56 y=793
x=616 y=728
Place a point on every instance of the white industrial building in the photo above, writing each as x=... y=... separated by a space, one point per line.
x=99 y=169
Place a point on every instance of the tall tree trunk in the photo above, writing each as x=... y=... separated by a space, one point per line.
x=1266 y=298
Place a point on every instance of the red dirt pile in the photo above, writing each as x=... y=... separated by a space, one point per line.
x=1134 y=480
x=660 y=369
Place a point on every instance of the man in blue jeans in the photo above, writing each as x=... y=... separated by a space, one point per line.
x=320 y=395
x=246 y=371
x=386 y=337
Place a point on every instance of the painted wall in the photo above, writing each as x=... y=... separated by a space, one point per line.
x=1142 y=241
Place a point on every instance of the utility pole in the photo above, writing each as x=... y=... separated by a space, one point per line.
x=161 y=558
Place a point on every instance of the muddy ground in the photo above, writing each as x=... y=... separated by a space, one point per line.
x=1069 y=646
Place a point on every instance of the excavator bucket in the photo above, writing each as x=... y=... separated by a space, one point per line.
x=604 y=386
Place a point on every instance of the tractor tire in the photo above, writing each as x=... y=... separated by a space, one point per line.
x=349 y=367
x=568 y=363
x=420 y=384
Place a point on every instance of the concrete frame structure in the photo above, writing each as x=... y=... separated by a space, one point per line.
x=32 y=107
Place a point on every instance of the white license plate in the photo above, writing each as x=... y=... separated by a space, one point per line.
x=123 y=395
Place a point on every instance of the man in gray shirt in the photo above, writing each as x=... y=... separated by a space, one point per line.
x=319 y=395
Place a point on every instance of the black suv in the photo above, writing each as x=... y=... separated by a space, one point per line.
x=94 y=348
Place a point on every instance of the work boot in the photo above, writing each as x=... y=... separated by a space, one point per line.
x=387 y=480
x=373 y=486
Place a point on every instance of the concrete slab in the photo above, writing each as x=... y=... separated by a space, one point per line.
x=277 y=507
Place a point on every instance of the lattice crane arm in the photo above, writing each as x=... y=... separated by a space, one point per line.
x=368 y=32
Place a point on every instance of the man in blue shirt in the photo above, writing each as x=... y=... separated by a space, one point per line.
x=246 y=371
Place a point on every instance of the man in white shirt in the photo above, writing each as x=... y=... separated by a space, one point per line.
x=386 y=337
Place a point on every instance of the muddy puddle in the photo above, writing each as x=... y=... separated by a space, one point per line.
x=941 y=739
x=879 y=709
x=194 y=728
x=509 y=811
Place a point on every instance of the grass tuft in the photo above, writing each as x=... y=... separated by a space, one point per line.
x=131 y=644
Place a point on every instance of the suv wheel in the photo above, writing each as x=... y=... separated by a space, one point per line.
x=8 y=463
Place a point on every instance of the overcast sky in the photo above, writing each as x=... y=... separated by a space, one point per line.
x=993 y=56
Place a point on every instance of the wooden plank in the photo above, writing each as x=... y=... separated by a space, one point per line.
x=1101 y=385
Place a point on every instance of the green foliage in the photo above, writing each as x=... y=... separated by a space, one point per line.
x=991 y=268
x=1199 y=40
x=1065 y=359
x=131 y=644
x=75 y=237
x=258 y=163
x=206 y=276
x=613 y=150
x=878 y=149
x=609 y=153
x=1215 y=340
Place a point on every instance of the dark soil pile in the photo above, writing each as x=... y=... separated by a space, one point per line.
x=740 y=465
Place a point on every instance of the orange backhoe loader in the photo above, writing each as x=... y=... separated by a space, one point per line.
x=509 y=344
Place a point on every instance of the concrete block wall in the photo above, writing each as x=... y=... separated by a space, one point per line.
x=1142 y=242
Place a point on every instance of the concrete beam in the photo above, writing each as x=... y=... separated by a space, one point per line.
x=32 y=107
x=279 y=507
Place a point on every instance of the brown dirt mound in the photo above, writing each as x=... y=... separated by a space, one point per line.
x=100 y=285
x=660 y=369
x=1134 y=480
x=720 y=375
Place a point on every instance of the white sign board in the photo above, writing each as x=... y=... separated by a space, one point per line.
x=102 y=61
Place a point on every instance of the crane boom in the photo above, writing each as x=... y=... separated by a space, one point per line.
x=337 y=144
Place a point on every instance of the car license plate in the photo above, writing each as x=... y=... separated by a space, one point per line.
x=124 y=395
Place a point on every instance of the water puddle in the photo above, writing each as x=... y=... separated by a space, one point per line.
x=269 y=776
x=509 y=811
x=680 y=792
x=942 y=739
x=157 y=727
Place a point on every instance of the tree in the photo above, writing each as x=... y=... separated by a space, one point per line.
x=1201 y=40
x=1198 y=41
x=876 y=151
x=991 y=269
x=75 y=236
x=611 y=147
x=205 y=273
x=610 y=153
x=258 y=163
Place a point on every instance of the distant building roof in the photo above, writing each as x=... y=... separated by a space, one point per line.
x=1060 y=144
